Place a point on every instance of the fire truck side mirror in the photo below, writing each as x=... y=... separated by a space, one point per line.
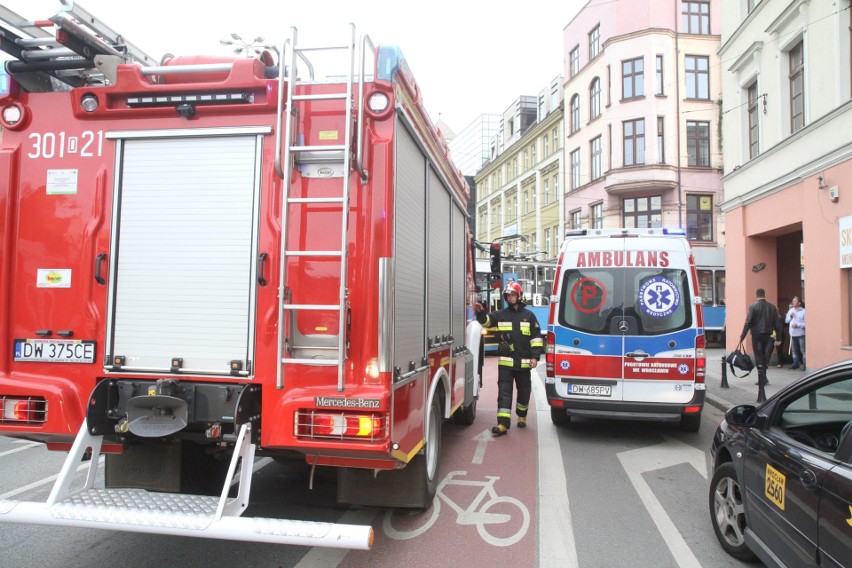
x=495 y=258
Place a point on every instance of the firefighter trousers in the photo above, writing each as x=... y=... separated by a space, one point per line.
x=507 y=378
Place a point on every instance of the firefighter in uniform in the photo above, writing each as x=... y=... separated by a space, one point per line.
x=519 y=349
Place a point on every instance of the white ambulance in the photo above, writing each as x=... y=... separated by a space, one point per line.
x=625 y=337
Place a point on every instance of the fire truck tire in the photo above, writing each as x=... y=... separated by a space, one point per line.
x=202 y=473
x=466 y=414
x=430 y=460
x=559 y=417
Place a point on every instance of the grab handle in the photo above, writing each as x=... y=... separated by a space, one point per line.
x=98 y=262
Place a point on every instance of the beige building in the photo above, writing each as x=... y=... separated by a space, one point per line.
x=519 y=191
x=787 y=134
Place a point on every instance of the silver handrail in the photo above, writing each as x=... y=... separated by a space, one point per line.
x=359 y=151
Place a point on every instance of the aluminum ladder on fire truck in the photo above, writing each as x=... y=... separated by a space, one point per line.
x=302 y=349
x=83 y=49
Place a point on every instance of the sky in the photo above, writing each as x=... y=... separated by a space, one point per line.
x=469 y=57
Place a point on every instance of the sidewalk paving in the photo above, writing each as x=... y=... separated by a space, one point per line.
x=742 y=390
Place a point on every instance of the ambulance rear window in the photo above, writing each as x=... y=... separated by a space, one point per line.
x=652 y=301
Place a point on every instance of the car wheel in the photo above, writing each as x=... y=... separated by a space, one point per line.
x=559 y=417
x=727 y=512
x=690 y=422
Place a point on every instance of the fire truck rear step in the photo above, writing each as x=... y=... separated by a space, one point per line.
x=138 y=510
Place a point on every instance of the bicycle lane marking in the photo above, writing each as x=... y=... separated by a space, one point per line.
x=493 y=521
x=556 y=544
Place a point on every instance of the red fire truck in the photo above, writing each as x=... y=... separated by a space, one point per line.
x=210 y=259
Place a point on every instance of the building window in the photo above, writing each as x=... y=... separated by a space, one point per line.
x=547 y=241
x=597 y=157
x=556 y=187
x=660 y=90
x=556 y=138
x=532 y=153
x=555 y=240
x=632 y=78
x=698 y=143
x=595 y=99
x=697 y=69
x=753 y=124
x=546 y=192
x=526 y=160
x=661 y=139
x=699 y=217
x=526 y=202
x=696 y=17
x=514 y=167
x=797 y=91
x=575 y=61
x=634 y=142
x=597 y=216
x=546 y=145
x=575 y=169
x=575 y=219
x=594 y=42
x=643 y=212
x=575 y=113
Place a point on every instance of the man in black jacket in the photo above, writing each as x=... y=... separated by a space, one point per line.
x=762 y=319
x=519 y=349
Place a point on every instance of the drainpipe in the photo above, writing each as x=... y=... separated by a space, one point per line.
x=677 y=114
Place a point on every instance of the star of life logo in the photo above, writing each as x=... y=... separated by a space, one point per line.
x=659 y=297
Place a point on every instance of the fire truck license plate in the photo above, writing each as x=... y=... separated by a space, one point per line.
x=590 y=390
x=55 y=350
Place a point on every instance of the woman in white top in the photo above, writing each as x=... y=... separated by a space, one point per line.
x=796 y=320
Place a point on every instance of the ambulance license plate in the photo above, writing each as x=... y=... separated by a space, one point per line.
x=55 y=350
x=590 y=390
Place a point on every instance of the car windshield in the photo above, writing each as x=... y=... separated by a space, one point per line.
x=658 y=299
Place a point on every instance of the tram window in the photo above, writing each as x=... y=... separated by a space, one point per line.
x=705 y=286
x=720 y=287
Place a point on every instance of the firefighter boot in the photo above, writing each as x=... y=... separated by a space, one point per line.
x=499 y=430
x=522 y=421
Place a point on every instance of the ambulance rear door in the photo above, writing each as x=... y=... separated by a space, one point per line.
x=659 y=324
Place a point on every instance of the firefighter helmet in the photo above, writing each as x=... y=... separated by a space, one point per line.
x=513 y=288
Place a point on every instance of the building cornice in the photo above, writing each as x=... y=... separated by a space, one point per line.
x=753 y=51
x=794 y=9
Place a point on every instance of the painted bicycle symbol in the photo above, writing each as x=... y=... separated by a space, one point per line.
x=477 y=513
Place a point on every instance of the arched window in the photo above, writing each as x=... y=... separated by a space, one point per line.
x=595 y=98
x=575 y=113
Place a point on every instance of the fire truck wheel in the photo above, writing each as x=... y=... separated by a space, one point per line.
x=466 y=414
x=202 y=473
x=559 y=417
x=430 y=459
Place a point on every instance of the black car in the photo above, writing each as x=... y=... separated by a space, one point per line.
x=782 y=474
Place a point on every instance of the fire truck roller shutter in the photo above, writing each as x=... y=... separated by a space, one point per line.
x=410 y=252
x=458 y=292
x=438 y=290
x=185 y=232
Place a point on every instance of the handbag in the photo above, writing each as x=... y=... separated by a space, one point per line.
x=741 y=360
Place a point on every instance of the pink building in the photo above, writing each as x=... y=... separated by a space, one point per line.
x=642 y=107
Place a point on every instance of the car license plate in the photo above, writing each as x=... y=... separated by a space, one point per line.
x=55 y=350
x=590 y=390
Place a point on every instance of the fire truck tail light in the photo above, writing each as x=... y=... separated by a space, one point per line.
x=14 y=116
x=341 y=425
x=29 y=409
x=378 y=102
x=89 y=103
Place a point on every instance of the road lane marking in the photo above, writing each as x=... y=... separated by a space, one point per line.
x=20 y=449
x=330 y=557
x=483 y=439
x=45 y=481
x=556 y=544
x=651 y=458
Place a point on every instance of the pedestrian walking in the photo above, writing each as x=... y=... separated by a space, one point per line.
x=762 y=320
x=520 y=346
x=796 y=320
